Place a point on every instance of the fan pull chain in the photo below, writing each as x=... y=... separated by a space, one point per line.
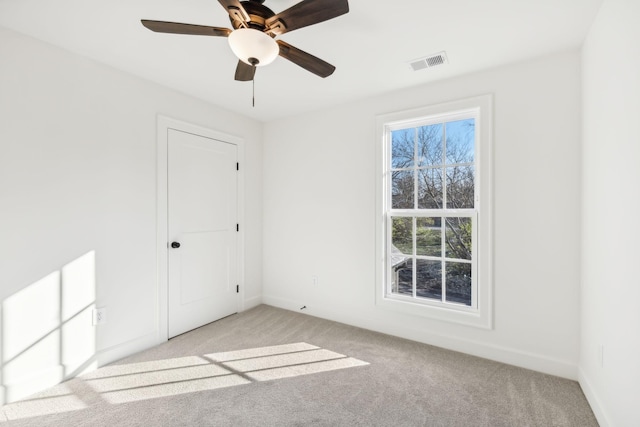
x=253 y=62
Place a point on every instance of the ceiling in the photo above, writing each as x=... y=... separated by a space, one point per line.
x=370 y=46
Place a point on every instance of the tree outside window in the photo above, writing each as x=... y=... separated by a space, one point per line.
x=432 y=211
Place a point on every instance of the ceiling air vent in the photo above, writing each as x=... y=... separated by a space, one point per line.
x=429 y=61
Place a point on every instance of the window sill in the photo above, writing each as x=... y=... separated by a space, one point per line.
x=462 y=315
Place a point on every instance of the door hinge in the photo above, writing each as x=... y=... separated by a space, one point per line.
x=237 y=289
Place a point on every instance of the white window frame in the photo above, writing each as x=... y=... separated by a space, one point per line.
x=480 y=313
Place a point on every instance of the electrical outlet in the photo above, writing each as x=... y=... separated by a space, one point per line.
x=99 y=316
x=314 y=280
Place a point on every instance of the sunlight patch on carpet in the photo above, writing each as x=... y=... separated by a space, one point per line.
x=170 y=377
x=142 y=367
x=173 y=388
x=117 y=384
x=56 y=400
x=228 y=356
x=292 y=360
x=305 y=369
x=164 y=382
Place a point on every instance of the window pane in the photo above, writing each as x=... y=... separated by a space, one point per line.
x=458 y=282
x=429 y=236
x=402 y=277
x=429 y=279
x=402 y=190
x=458 y=238
x=402 y=148
x=460 y=141
x=430 y=145
x=460 y=187
x=430 y=188
x=402 y=235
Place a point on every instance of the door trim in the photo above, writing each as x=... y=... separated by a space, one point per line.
x=163 y=125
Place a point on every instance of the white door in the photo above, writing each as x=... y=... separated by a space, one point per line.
x=202 y=221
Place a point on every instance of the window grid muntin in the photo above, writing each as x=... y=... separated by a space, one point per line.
x=444 y=164
x=444 y=212
x=414 y=214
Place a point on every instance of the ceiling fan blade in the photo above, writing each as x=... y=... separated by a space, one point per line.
x=245 y=72
x=178 y=28
x=235 y=10
x=305 y=13
x=305 y=60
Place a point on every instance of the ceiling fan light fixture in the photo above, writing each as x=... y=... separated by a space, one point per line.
x=251 y=45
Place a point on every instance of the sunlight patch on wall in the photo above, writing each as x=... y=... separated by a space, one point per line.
x=30 y=335
x=47 y=334
x=78 y=298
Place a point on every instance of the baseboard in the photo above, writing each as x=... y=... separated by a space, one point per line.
x=250 y=303
x=37 y=381
x=284 y=303
x=510 y=356
x=49 y=377
x=122 y=350
x=593 y=399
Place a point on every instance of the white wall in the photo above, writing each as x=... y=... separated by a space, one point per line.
x=78 y=177
x=611 y=202
x=319 y=212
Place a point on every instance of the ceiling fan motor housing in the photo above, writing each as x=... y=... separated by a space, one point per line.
x=258 y=14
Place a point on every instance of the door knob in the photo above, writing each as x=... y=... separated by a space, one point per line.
x=175 y=245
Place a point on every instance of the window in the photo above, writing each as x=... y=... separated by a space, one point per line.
x=434 y=211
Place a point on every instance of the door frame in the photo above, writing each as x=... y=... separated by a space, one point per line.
x=162 y=186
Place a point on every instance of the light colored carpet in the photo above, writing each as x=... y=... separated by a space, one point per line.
x=272 y=367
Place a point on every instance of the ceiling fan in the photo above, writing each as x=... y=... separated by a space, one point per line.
x=255 y=28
